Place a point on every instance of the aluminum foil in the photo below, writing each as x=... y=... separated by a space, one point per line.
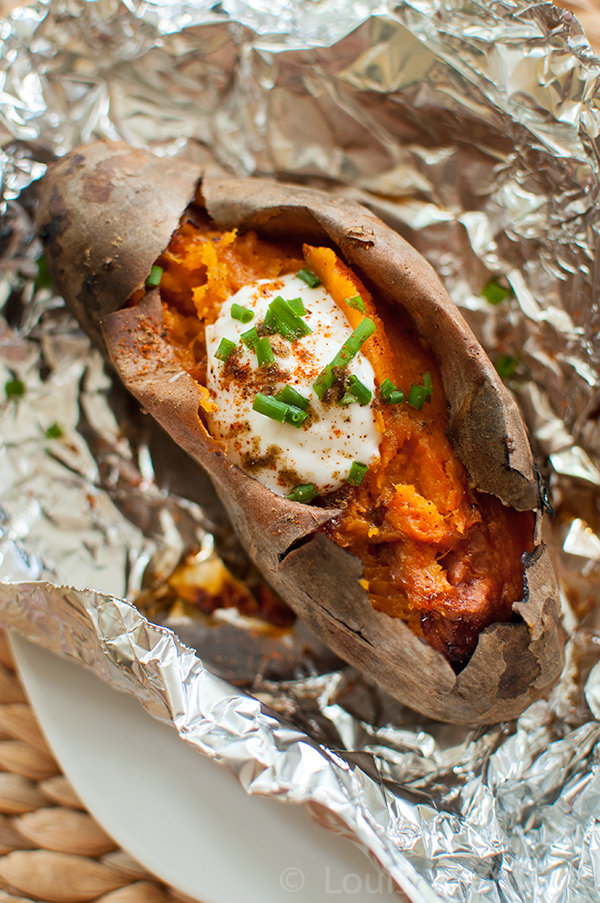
x=473 y=129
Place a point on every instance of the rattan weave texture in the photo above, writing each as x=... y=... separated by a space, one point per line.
x=51 y=849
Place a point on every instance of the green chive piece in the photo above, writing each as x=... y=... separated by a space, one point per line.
x=250 y=338
x=288 y=323
x=357 y=303
x=225 y=350
x=297 y=306
x=495 y=293
x=268 y=324
x=386 y=388
x=311 y=280
x=356 y=474
x=428 y=386
x=289 y=396
x=347 y=352
x=303 y=493
x=389 y=392
x=243 y=314
x=54 y=431
x=154 y=277
x=324 y=381
x=352 y=346
x=295 y=416
x=417 y=396
x=14 y=388
x=395 y=397
x=264 y=352
x=270 y=407
x=356 y=392
x=42 y=280
x=506 y=366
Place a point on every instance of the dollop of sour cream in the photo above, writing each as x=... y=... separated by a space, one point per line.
x=279 y=455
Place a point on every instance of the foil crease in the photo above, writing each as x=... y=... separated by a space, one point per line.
x=473 y=130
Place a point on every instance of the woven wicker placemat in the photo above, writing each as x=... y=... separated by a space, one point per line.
x=51 y=849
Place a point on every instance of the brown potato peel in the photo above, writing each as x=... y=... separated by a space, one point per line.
x=107 y=212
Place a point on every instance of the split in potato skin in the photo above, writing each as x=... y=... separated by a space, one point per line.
x=444 y=558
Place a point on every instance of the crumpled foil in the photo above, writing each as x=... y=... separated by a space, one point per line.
x=472 y=129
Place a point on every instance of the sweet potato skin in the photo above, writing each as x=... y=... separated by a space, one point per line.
x=515 y=663
x=97 y=275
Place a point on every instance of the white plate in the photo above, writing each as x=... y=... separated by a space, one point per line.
x=178 y=813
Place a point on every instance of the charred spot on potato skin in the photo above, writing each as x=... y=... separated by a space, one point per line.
x=97 y=189
x=57 y=225
x=88 y=294
x=76 y=162
x=51 y=230
x=99 y=184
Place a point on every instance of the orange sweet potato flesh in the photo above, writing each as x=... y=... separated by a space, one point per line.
x=434 y=553
x=102 y=217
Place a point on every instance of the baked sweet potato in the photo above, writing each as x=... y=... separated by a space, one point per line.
x=108 y=212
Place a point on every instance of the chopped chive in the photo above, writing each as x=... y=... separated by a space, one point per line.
x=270 y=407
x=356 y=474
x=54 y=431
x=352 y=345
x=154 y=277
x=250 y=338
x=395 y=397
x=311 y=280
x=297 y=306
x=324 y=381
x=278 y=410
x=287 y=323
x=389 y=392
x=225 y=350
x=417 y=396
x=268 y=324
x=42 y=280
x=295 y=416
x=241 y=313
x=264 y=352
x=357 y=303
x=428 y=386
x=303 y=493
x=506 y=366
x=289 y=396
x=347 y=352
x=495 y=293
x=14 y=388
x=386 y=388
x=356 y=391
